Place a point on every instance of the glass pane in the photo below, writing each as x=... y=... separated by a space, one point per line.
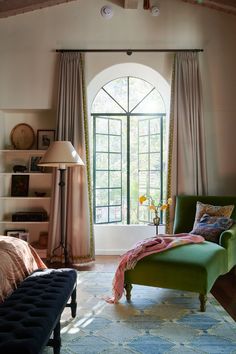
x=143 y=181
x=101 y=179
x=101 y=215
x=155 y=125
x=115 y=179
x=155 y=143
x=101 y=197
x=118 y=90
x=103 y=103
x=115 y=196
x=155 y=193
x=143 y=161
x=115 y=126
x=155 y=161
x=101 y=142
x=114 y=143
x=115 y=214
x=154 y=179
x=143 y=213
x=115 y=161
x=143 y=127
x=102 y=125
x=101 y=161
x=138 y=89
x=153 y=103
x=143 y=144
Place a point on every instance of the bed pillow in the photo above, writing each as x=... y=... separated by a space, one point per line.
x=212 y=210
x=211 y=227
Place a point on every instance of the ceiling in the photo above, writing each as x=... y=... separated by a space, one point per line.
x=227 y=6
x=15 y=7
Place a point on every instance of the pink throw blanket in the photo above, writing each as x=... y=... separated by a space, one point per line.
x=17 y=260
x=142 y=249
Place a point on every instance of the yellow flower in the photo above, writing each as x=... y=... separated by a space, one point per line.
x=142 y=199
x=152 y=208
x=155 y=206
x=164 y=207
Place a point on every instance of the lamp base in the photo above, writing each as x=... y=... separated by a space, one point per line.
x=64 y=252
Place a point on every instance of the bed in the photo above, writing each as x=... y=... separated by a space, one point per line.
x=17 y=260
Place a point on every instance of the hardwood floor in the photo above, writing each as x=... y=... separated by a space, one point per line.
x=224 y=289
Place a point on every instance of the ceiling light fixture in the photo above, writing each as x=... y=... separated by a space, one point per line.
x=106 y=12
x=155 y=11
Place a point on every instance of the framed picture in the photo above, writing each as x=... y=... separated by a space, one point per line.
x=24 y=236
x=19 y=185
x=14 y=233
x=33 y=164
x=45 y=138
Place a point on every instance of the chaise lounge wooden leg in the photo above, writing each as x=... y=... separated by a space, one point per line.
x=203 y=300
x=128 y=288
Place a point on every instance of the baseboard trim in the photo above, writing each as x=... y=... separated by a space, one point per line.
x=109 y=252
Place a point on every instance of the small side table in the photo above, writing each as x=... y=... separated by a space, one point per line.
x=156 y=226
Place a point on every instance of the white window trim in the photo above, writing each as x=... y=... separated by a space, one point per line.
x=116 y=239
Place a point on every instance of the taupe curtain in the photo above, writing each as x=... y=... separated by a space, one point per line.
x=72 y=125
x=187 y=173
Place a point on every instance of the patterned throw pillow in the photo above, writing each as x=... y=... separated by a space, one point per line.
x=212 y=210
x=211 y=227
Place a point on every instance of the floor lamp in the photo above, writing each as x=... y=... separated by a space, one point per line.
x=61 y=154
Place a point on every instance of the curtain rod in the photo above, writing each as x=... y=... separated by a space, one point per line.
x=127 y=51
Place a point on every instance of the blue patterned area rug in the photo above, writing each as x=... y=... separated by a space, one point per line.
x=155 y=321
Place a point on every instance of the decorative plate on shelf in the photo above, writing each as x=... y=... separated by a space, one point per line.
x=22 y=136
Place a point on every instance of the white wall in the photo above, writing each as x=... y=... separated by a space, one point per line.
x=117 y=239
x=28 y=60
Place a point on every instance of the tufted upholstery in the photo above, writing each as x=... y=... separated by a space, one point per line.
x=30 y=314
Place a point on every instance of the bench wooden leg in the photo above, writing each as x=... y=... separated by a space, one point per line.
x=128 y=288
x=57 y=338
x=73 y=303
x=55 y=341
x=203 y=299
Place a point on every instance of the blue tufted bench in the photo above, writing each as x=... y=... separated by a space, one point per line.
x=30 y=316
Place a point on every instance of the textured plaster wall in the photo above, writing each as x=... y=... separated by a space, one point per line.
x=28 y=60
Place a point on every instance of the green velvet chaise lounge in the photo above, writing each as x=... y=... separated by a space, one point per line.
x=193 y=267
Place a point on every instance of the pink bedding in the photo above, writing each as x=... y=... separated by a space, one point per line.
x=17 y=260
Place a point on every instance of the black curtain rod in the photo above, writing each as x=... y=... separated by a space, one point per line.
x=127 y=51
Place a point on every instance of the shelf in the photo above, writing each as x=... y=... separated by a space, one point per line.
x=38 y=152
x=39 y=179
x=23 y=222
x=25 y=173
x=26 y=198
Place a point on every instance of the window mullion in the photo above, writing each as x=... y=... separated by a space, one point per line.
x=128 y=93
x=161 y=161
x=142 y=99
x=94 y=168
x=128 y=169
x=113 y=99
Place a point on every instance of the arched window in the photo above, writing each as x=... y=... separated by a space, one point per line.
x=129 y=150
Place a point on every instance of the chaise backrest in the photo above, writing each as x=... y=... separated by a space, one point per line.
x=185 y=209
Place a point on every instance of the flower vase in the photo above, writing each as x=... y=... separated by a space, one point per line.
x=156 y=220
